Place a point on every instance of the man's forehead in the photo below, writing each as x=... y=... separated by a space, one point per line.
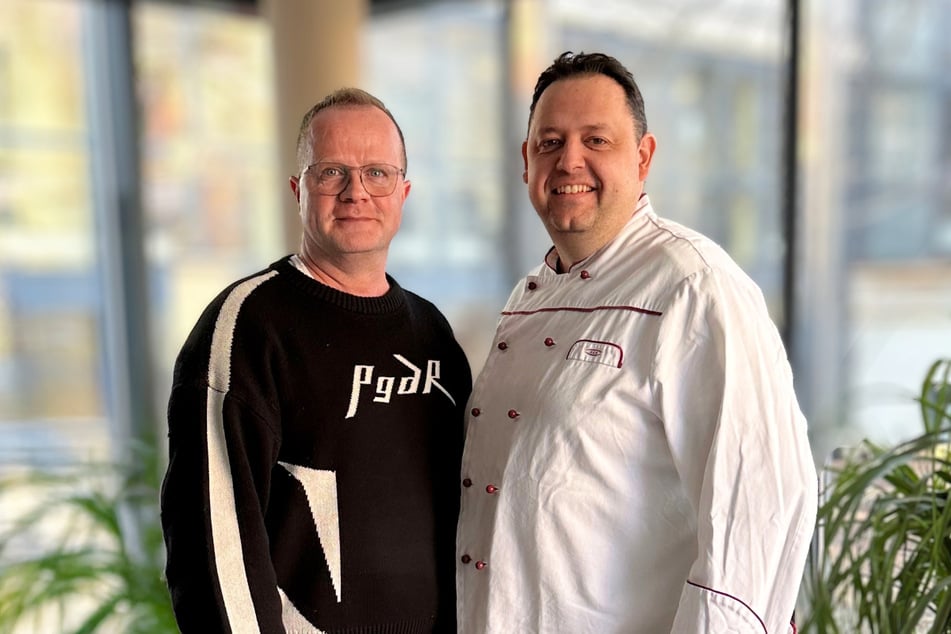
x=356 y=114
x=353 y=125
x=567 y=104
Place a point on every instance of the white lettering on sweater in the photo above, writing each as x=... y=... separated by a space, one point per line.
x=408 y=384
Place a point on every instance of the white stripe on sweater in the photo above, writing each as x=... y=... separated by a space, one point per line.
x=226 y=538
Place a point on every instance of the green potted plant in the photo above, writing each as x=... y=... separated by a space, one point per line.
x=81 y=551
x=882 y=557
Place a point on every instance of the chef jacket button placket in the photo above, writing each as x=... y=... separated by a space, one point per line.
x=476 y=411
x=549 y=342
x=491 y=489
x=480 y=565
x=503 y=346
x=465 y=559
x=513 y=414
x=585 y=275
x=467 y=483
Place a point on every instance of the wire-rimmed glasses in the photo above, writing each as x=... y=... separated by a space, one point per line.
x=378 y=179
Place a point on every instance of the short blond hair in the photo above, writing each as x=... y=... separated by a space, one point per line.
x=344 y=97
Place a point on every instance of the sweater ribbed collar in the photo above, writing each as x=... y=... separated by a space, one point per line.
x=393 y=300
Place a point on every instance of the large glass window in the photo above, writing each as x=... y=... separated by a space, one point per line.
x=210 y=202
x=879 y=165
x=444 y=87
x=50 y=336
x=712 y=79
x=874 y=261
x=210 y=178
x=874 y=148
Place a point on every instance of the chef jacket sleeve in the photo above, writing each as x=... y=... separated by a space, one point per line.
x=739 y=441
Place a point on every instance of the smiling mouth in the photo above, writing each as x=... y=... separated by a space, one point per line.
x=573 y=189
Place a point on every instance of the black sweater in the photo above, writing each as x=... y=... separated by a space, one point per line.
x=314 y=447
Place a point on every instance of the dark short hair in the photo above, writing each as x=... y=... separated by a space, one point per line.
x=344 y=97
x=569 y=64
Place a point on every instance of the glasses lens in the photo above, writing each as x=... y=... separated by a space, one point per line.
x=379 y=180
x=332 y=178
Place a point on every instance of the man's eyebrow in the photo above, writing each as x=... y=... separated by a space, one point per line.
x=591 y=127
x=546 y=130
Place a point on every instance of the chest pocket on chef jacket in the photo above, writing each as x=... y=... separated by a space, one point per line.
x=594 y=351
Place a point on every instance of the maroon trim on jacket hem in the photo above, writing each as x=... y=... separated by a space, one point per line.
x=730 y=596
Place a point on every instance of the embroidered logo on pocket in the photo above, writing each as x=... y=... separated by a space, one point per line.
x=591 y=351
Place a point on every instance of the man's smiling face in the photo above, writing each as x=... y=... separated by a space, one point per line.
x=585 y=165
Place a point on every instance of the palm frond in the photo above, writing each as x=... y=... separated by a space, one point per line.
x=84 y=548
x=883 y=562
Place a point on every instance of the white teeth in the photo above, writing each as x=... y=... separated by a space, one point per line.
x=572 y=189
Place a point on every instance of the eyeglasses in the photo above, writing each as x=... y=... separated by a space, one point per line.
x=378 y=179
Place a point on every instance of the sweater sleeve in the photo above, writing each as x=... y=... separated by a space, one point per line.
x=739 y=440
x=222 y=449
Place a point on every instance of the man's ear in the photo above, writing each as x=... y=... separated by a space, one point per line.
x=525 y=161
x=295 y=187
x=645 y=154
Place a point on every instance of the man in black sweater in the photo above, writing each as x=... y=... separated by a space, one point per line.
x=315 y=419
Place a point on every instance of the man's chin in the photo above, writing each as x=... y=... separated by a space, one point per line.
x=567 y=223
x=356 y=246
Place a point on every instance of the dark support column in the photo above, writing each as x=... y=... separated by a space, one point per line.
x=790 y=166
x=112 y=116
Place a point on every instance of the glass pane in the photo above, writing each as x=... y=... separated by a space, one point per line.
x=711 y=75
x=50 y=378
x=210 y=176
x=878 y=204
x=712 y=80
x=444 y=88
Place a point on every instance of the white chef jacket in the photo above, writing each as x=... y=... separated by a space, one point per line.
x=635 y=459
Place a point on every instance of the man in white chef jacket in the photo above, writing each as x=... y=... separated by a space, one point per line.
x=635 y=459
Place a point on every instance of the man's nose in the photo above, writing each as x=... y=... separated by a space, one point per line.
x=354 y=189
x=572 y=155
